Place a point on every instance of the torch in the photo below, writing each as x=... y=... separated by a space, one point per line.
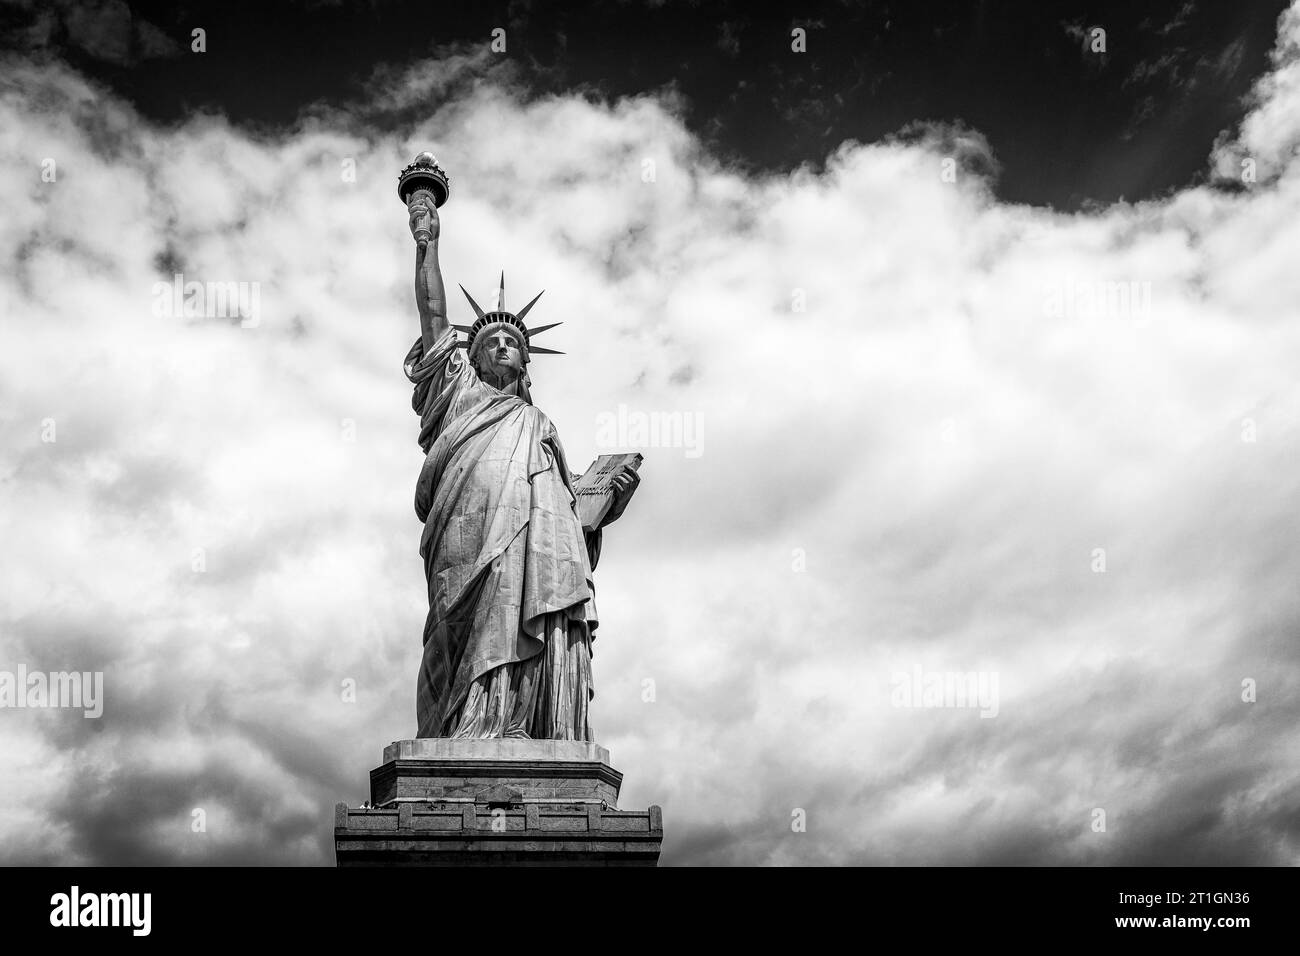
x=423 y=179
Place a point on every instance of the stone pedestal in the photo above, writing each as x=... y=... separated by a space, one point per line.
x=438 y=802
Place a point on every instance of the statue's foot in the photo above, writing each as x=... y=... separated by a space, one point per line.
x=516 y=735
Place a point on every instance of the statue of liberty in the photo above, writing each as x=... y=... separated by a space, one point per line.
x=507 y=641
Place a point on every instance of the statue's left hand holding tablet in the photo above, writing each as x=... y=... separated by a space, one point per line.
x=624 y=484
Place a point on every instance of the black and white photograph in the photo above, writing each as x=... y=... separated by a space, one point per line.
x=674 y=435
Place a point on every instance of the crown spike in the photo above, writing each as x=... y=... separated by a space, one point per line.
x=501 y=296
x=542 y=328
x=477 y=311
x=524 y=310
x=538 y=350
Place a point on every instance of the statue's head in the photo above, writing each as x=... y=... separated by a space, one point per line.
x=499 y=354
x=499 y=343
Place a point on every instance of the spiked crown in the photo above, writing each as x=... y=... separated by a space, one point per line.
x=500 y=317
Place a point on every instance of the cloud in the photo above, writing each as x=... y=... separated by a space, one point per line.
x=928 y=418
x=1270 y=134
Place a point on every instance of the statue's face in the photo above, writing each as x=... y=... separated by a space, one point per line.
x=500 y=360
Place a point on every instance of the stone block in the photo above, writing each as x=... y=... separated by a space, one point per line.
x=495 y=771
x=553 y=802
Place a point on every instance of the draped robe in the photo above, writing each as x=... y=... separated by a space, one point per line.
x=507 y=641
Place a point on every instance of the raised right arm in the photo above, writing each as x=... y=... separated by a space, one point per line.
x=430 y=296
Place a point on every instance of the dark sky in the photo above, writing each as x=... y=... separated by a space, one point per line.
x=1067 y=126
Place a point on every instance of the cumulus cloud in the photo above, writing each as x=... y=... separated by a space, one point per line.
x=927 y=419
x=1270 y=134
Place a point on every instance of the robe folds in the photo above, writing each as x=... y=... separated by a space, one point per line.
x=507 y=641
